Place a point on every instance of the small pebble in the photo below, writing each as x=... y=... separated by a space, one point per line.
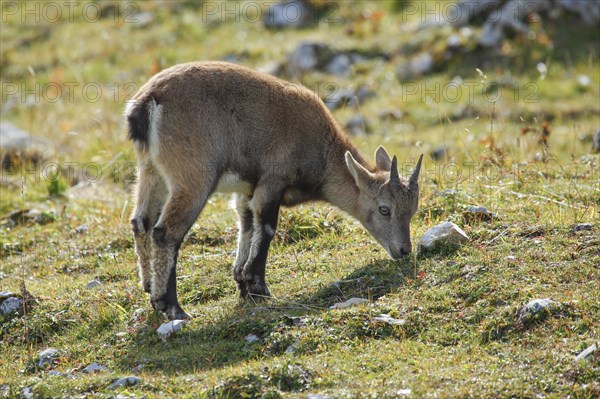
x=95 y=368
x=125 y=382
x=348 y=303
x=93 y=284
x=583 y=227
x=386 y=318
x=251 y=338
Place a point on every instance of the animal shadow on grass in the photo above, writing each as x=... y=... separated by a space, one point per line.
x=210 y=346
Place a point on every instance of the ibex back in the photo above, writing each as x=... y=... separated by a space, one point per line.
x=203 y=127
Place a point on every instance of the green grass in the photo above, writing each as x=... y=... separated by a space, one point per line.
x=462 y=337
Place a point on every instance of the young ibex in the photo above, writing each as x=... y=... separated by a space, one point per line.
x=211 y=126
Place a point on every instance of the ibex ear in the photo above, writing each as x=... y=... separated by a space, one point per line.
x=382 y=159
x=360 y=174
x=414 y=179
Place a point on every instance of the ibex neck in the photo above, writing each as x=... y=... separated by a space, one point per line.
x=340 y=188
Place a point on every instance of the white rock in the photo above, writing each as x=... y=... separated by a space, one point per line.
x=125 y=382
x=10 y=305
x=27 y=393
x=95 y=368
x=251 y=338
x=170 y=328
x=586 y=354
x=317 y=396
x=443 y=232
x=386 y=318
x=47 y=356
x=348 y=303
x=405 y=391
x=84 y=228
x=137 y=314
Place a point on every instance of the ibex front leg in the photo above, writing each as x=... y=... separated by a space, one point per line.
x=246 y=231
x=265 y=205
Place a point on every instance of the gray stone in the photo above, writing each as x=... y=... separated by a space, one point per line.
x=534 y=307
x=449 y=192
x=586 y=354
x=350 y=302
x=125 y=382
x=439 y=153
x=55 y=373
x=93 y=284
x=356 y=126
x=95 y=368
x=446 y=232
x=47 y=356
x=292 y=348
x=251 y=338
x=386 y=318
x=287 y=14
x=316 y=396
x=480 y=213
x=308 y=56
x=343 y=97
x=15 y=138
x=11 y=305
x=339 y=65
x=583 y=227
x=418 y=66
x=143 y=18
x=170 y=328
x=596 y=145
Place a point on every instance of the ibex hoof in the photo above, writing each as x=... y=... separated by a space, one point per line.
x=258 y=291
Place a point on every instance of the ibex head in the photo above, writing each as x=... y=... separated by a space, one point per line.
x=386 y=203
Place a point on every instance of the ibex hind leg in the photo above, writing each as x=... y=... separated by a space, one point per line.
x=151 y=194
x=178 y=215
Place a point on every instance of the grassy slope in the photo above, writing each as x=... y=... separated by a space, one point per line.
x=461 y=338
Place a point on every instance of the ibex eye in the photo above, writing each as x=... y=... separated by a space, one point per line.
x=384 y=210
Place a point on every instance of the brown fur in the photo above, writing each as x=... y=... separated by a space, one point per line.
x=194 y=123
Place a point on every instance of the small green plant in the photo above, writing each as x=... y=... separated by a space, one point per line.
x=57 y=184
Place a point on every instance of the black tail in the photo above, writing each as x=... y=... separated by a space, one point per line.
x=139 y=122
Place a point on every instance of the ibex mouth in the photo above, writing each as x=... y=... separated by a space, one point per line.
x=397 y=255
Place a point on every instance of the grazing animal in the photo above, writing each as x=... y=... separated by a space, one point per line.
x=203 y=127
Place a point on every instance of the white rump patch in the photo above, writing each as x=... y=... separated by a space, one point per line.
x=154 y=115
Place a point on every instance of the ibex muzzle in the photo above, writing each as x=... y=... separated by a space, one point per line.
x=211 y=126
